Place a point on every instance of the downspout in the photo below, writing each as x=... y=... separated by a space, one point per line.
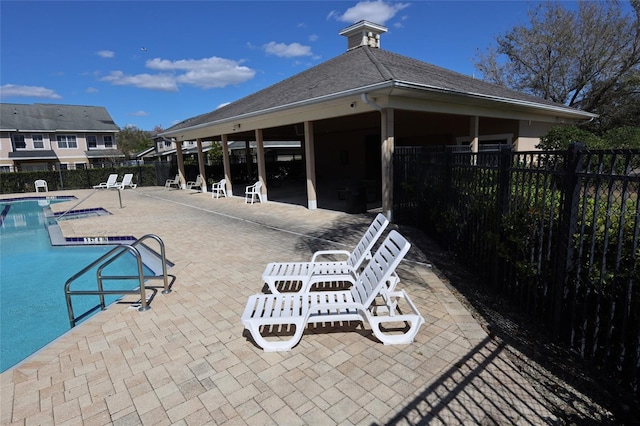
x=586 y=121
x=366 y=100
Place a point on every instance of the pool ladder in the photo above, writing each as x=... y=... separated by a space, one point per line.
x=104 y=261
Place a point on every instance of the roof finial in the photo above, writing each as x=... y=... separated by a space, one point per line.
x=363 y=33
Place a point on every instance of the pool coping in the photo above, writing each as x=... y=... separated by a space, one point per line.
x=150 y=258
x=55 y=234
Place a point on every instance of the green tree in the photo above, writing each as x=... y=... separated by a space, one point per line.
x=623 y=137
x=587 y=58
x=215 y=153
x=132 y=140
x=560 y=137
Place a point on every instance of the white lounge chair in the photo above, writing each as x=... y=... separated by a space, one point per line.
x=219 y=188
x=272 y=313
x=253 y=191
x=126 y=182
x=41 y=184
x=306 y=274
x=111 y=182
x=195 y=184
x=173 y=182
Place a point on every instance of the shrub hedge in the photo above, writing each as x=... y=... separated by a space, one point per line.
x=20 y=182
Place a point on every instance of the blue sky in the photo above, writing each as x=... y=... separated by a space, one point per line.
x=158 y=62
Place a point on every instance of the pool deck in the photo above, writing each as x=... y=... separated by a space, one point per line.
x=187 y=360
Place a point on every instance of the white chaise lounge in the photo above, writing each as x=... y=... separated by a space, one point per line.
x=111 y=182
x=266 y=312
x=126 y=182
x=304 y=275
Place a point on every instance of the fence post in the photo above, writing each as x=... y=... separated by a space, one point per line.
x=59 y=168
x=503 y=204
x=156 y=166
x=504 y=181
x=445 y=197
x=568 y=223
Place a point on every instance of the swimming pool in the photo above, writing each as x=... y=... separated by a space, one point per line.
x=33 y=310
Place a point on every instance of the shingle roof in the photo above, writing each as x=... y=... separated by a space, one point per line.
x=103 y=153
x=359 y=68
x=38 y=154
x=52 y=117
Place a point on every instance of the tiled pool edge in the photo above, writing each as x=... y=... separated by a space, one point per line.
x=57 y=239
x=38 y=198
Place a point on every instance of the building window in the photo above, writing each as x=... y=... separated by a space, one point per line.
x=92 y=141
x=18 y=142
x=81 y=166
x=63 y=166
x=67 y=141
x=108 y=141
x=167 y=143
x=38 y=141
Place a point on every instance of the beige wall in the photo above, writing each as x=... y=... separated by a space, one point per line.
x=69 y=156
x=529 y=133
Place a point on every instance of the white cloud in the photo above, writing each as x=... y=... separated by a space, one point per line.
x=377 y=12
x=106 y=53
x=164 y=82
x=313 y=37
x=91 y=90
x=400 y=24
x=13 y=90
x=205 y=73
x=139 y=113
x=287 y=50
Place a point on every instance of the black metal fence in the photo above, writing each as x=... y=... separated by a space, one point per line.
x=557 y=233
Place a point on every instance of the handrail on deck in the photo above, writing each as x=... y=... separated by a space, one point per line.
x=76 y=205
x=106 y=260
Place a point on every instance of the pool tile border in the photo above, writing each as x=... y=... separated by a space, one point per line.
x=57 y=239
x=48 y=197
x=81 y=211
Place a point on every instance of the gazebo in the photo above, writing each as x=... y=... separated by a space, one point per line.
x=351 y=111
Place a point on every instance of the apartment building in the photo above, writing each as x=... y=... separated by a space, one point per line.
x=53 y=136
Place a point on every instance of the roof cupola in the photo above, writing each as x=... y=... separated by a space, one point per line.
x=363 y=33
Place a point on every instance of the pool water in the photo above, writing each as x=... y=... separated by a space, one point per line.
x=33 y=309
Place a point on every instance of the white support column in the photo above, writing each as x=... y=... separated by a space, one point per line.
x=201 y=168
x=226 y=164
x=262 y=169
x=474 y=125
x=183 y=179
x=310 y=165
x=387 y=127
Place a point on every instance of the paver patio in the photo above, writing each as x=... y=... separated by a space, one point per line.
x=187 y=360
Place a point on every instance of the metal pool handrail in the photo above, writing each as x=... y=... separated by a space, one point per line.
x=107 y=259
x=76 y=205
x=86 y=198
